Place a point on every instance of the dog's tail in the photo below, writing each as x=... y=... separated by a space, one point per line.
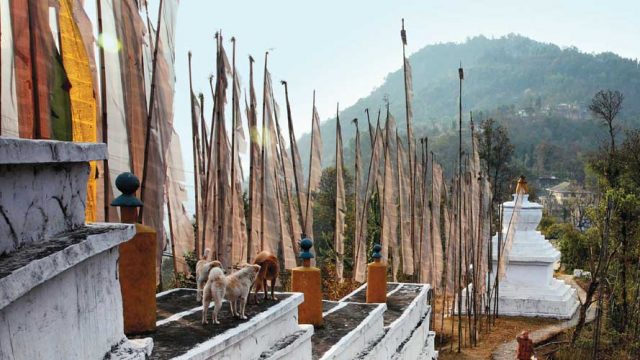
x=206 y=253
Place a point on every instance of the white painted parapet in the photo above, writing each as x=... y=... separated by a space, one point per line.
x=43 y=188
x=33 y=265
x=408 y=336
x=273 y=334
x=360 y=338
x=60 y=294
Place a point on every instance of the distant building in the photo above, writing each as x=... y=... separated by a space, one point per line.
x=569 y=201
x=566 y=192
x=548 y=181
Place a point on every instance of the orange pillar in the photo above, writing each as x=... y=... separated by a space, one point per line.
x=137 y=264
x=377 y=278
x=306 y=279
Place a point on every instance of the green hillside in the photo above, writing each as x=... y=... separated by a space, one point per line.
x=512 y=78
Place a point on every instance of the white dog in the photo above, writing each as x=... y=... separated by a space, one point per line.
x=238 y=288
x=203 y=267
x=214 y=289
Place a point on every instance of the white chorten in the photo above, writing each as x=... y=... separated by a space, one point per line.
x=528 y=287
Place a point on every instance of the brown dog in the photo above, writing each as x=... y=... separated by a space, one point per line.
x=269 y=270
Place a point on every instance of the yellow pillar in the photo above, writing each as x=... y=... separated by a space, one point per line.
x=377 y=278
x=137 y=264
x=306 y=279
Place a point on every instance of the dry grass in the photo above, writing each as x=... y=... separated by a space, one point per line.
x=613 y=346
x=332 y=289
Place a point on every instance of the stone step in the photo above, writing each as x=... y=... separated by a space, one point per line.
x=47 y=183
x=347 y=330
x=36 y=263
x=292 y=347
x=64 y=294
x=406 y=323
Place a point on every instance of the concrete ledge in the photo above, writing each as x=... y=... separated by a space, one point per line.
x=258 y=327
x=415 y=344
x=370 y=329
x=135 y=349
x=291 y=347
x=36 y=263
x=27 y=151
x=413 y=322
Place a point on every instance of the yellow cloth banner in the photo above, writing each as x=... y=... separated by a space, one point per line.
x=83 y=102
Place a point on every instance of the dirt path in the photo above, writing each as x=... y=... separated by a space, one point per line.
x=507 y=351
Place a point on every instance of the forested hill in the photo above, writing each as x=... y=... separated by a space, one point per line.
x=511 y=72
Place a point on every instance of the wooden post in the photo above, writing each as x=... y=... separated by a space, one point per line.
x=306 y=279
x=377 y=278
x=137 y=264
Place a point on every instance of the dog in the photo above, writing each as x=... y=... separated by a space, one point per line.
x=203 y=267
x=269 y=270
x=238 y=288
x=214 y=289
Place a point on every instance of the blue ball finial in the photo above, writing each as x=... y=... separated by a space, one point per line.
x=127 y=183
x=376 y=251
x=306 y=245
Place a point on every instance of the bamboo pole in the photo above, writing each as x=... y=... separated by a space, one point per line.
x=196 y=160
x=172 y=234
x=306 y=212
x=410 y=152
x=150 y=112
x=292 y=143
x=234 y=120
x=263 y=154
x=469 y=256
x=210 y=186
x=461 y=76
x=400 y=199
x=445 y=272
x=384 y=192
x=252 y=145
x=366 y=197
x=204 y=149
x=286 y=179
x=206 y=131
x=103 y=105
x=356 y=187
x=496 y=283
x=37 y=124
x=220 y=218
x=371 y=134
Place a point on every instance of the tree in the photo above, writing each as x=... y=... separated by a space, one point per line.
x=573 y=247
x=605 y=105
x=495 y=149
x=324 y=216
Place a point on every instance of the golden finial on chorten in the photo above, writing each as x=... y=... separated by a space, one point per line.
x=522 y=187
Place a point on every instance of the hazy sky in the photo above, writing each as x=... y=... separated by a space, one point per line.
x=344 y=49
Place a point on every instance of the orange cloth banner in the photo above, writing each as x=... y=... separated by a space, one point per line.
x=83 y=102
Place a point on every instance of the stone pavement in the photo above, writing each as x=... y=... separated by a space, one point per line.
x=507 y=351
